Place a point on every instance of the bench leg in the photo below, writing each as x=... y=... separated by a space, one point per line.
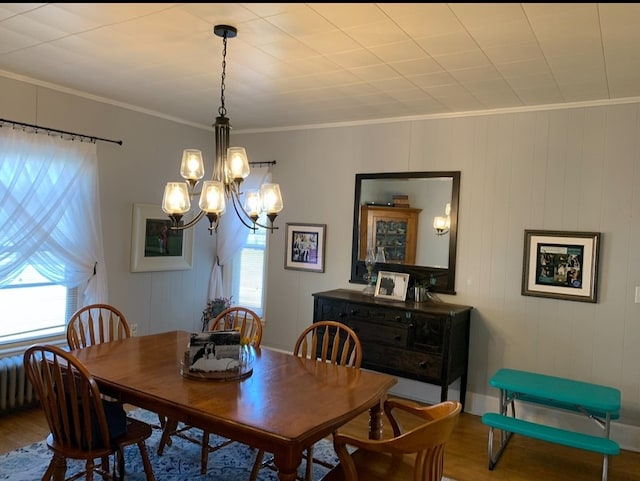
x=504 y=439
x=605 y=466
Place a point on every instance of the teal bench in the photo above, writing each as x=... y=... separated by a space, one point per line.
x=572 y=439
x=599 y=403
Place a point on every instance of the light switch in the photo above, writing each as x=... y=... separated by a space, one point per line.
x=637 y=294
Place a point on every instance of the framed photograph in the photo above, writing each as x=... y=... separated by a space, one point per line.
x=561 y=265
x=304 y=247
x=392 y=285
x=154 y=245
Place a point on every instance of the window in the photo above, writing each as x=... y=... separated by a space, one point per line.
x=248 y=272
x=23 y=319
x=242 y=254
x=52 y=257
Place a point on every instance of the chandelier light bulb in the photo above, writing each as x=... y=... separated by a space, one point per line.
x=252 y=204
x=176 y=198
x=237 y=163
x=192 y=166
x=212 y=197
x=271 y=198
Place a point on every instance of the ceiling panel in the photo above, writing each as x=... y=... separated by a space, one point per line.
x=307 y=63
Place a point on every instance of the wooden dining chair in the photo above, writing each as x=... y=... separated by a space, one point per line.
x=325 y=341
x=98 y=323
x=83 y=425
x=95 y=324
x=240 y=319
x=249 y=324
x=416 y=454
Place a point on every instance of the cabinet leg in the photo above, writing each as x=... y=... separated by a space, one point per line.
x=463 y=389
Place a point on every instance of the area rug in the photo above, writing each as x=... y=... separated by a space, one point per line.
x=179 y=462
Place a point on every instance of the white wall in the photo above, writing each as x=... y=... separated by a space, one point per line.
x=573 y=169
x=568 y=169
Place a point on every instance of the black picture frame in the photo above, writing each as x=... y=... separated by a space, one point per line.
x=561 y=265
x=305 y=247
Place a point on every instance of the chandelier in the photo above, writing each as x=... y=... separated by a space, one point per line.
x=230 y=168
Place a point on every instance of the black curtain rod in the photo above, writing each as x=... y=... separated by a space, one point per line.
x=265 y=162
x=63 y=132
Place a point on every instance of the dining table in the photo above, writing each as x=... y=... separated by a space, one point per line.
x=281 y=404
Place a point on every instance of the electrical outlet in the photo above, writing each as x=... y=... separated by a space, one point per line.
x=134 y=329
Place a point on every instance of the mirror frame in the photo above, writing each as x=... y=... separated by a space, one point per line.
x=441 y=280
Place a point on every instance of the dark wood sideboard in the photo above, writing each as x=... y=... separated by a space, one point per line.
x=423 y=341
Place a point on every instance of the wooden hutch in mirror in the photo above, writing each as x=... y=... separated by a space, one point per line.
x=392 y=228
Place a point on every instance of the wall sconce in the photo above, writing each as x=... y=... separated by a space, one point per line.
x=442 y=224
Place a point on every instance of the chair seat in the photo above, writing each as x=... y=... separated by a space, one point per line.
x=137 y=431
x=76 y=453
x=376 y=467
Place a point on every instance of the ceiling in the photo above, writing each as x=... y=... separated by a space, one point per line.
x=295 y=64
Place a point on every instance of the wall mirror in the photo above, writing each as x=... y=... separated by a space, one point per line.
x=409 y=218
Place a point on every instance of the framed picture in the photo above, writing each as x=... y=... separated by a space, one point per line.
x=154 y=245
x=561 y=265
x=392 y=285
x=304 y=248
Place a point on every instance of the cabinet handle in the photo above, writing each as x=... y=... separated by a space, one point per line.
x=411 y=325
x=423 y=364
x=398 y=318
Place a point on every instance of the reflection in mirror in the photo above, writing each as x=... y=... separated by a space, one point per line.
x=412 y=216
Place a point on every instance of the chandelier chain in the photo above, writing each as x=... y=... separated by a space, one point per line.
x=222 y=111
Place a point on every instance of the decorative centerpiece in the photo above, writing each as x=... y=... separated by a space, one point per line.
x=216 y=355
x=214 y=307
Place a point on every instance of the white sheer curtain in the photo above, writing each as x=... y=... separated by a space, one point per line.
x=232 y=233
x=50 y=212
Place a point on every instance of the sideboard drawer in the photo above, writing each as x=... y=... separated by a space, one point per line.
x=371 y=313
x=330 y=310
x=394 y=335
x=414 y=365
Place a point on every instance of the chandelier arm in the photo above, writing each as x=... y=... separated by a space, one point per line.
x=191 y=223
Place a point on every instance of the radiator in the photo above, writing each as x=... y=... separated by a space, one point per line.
x=15 y=390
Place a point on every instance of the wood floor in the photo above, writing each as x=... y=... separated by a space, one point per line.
x=465 y=460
